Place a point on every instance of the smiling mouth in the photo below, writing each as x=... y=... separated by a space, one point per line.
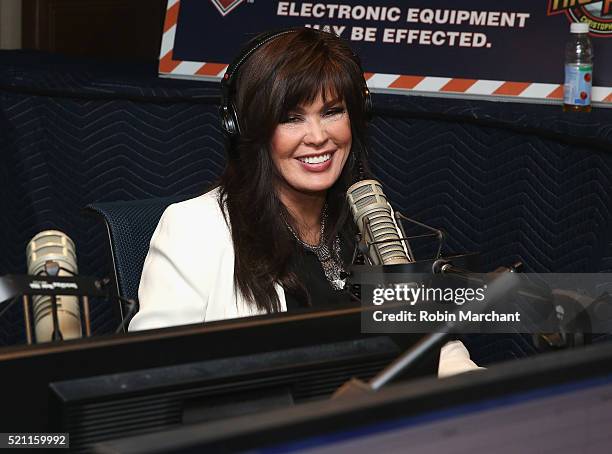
x=316 y=159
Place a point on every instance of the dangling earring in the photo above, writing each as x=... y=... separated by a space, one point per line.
x=360 y=170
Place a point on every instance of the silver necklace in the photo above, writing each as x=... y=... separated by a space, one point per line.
x=330 y=259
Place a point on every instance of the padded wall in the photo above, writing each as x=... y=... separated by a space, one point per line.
x=513 y=181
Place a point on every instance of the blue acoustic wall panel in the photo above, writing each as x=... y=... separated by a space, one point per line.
x=509 y=195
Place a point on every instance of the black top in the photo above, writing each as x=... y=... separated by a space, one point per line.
x=311 y=274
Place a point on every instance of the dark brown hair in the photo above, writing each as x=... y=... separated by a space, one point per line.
x=291 y=70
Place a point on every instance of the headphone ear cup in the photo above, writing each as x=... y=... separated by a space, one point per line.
x=234 y=118
x=229 y=121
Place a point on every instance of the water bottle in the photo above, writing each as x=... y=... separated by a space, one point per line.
x=578 y=70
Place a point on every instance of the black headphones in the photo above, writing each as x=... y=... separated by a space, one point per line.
x=227 y=110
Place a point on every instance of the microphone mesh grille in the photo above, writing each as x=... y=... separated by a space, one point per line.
x=367 y=201
x=56 y=246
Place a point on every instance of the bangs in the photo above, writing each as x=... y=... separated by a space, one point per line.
x=322 y=77
x=292 y=72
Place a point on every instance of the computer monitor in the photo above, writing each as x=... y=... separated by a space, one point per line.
x=556 y=402
x=101 y=388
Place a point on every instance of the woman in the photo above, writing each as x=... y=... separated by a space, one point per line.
x=276 y=233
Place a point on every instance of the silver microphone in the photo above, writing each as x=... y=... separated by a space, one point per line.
x=53 y=245
x=376 y=222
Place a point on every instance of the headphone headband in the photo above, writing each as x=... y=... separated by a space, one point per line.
x=227 y=110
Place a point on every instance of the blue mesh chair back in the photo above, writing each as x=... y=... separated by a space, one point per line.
x=130 y=226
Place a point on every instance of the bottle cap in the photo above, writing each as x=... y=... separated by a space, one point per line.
x=579 y=27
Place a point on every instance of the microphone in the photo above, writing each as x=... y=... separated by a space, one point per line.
x=376 y=222
x=55 y=317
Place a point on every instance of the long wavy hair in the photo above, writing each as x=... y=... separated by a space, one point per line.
x=289 y=71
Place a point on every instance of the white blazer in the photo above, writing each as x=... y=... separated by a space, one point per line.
x=188 y=275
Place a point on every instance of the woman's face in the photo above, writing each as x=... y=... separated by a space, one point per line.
x=310 y=147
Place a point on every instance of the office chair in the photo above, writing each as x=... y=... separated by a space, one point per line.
x=130 y=226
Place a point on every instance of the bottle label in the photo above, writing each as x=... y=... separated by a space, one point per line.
x=578 y=82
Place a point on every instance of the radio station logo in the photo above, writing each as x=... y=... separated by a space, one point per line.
x=226 y=6
x=596 y=13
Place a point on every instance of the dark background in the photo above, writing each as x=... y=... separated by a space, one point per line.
x=109 y=29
